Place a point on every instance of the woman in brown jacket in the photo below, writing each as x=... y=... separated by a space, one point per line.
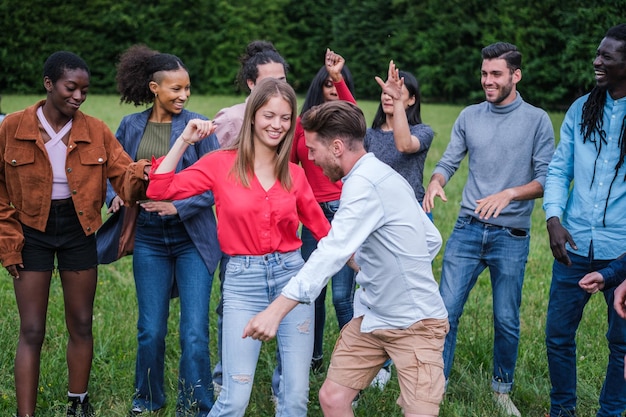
x=54 y=164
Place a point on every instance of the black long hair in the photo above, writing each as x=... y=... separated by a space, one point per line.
x=315 y=94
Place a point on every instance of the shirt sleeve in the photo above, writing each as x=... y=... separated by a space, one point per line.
x=543 y=149
x=191 y=181
x=223 y=129
x=424 y=134
x=615 y=273
x=455 y=151
x=359 y=214
x=560 y=170
x=309 y=211
x=343 y=92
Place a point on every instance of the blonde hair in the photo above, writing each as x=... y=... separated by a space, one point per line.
x=243 y=168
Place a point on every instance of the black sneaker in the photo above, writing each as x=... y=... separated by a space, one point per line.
x=76 y=408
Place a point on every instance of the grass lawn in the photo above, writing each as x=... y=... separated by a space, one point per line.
x=468 y=394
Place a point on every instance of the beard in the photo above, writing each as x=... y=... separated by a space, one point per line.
x=505 y=91
x=332 y=170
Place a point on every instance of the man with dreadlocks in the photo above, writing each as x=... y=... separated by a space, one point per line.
x=510 y=144
x=585 y=202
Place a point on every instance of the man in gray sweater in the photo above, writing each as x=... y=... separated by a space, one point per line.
x=510 y=144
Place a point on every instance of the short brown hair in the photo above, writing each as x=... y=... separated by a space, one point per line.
x=336 y=119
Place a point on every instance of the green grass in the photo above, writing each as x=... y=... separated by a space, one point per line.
x=468 y=394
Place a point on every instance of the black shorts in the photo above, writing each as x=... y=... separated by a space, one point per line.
x=64 y=237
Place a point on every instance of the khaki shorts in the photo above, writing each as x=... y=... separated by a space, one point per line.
x=416 y=353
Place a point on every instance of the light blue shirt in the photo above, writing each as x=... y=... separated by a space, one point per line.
x=380 y=218
x=580 y=199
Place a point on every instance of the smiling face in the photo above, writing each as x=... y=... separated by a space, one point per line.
x=172 y=90
x=271 y=122
x=498 y=82
x=610 y=67
x=69 y=92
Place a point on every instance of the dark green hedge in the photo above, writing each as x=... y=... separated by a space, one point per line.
x=438 y=40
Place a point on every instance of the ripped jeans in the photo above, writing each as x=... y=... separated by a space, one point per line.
x=251 y=283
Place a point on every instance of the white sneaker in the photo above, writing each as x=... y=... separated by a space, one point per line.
x=506 y=404
x=382 y=378
x=217 y=388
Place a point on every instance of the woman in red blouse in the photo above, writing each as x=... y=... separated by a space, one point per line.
x=260 y=199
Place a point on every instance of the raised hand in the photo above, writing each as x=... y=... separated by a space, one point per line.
x=334 y=64
x=393 y=86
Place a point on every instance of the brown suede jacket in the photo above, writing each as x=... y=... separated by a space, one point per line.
x=93 y=156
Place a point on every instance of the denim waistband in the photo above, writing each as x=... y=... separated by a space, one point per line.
x=330 y=206
x=514 y=230
x=276 y=257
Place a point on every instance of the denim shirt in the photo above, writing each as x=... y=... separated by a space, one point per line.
x=196 y=212
x=584 y=209
x=379 y=217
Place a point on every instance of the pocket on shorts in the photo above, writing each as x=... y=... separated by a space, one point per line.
x=430 y=385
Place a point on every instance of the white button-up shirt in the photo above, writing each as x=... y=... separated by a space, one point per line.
x=395 y=243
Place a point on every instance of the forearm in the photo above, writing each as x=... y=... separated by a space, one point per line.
x=405 y=142
x=528 y=191
x=176 y=152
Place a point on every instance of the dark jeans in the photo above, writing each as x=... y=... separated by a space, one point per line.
x=565 y=310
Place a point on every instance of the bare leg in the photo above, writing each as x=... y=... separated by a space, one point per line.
x=79 y=290
x=336 y=400
x=31 y=293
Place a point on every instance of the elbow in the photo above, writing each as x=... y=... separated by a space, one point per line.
x=406 y=149
x=412 y=145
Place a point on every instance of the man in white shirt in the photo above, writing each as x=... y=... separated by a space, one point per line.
x=398 y=311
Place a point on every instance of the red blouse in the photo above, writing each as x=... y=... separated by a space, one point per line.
x=323 y=189
x=251 y=221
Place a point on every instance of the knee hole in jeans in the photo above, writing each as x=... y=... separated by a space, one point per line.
x=242 y=378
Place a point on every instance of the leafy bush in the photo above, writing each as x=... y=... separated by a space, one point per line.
x=438 y=41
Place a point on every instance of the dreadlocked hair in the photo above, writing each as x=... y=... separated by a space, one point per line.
x=592 y=121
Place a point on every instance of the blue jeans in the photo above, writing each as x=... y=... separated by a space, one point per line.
x=250 y=285
x=565 y=310
x=472 y=247
x=217 y=371
x=163 y=250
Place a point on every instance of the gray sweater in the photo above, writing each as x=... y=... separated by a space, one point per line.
x=508 y=146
